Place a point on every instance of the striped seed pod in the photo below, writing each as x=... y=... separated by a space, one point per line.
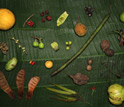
x=31 y=86
x=5 y=86
x=20 y=82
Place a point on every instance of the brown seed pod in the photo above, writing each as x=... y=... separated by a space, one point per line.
x=79 y=78
x=105 y=45
x=80 y=29
x=109 y=52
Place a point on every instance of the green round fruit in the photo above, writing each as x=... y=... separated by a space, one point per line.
x=122 y=17
x=35 y=43
x=11 y=64
x=41 y=45
x=115 y=102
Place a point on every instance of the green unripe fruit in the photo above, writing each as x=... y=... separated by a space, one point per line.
x=41 y=45
x=35 y=43
x=11 y=64
x=122 y=17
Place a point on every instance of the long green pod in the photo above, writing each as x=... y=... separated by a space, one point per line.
x=65 y=100
x=83 y=47
x=65 y=89
x=59 y=91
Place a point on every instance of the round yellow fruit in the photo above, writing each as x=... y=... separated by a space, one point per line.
x=7 y=19
x=115 y=102
x=49 y=64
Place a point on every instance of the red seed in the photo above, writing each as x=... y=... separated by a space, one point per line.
x=43 y=20
x=42 y=14
x=33 y=62
x=47 y=12
x=48 y=18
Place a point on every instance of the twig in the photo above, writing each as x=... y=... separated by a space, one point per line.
x=39 y=39
x=27 y=19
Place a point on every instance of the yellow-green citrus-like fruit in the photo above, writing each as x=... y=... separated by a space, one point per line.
x=115 y=102
x=122 y=17
x=11 y=64
x=7 y=19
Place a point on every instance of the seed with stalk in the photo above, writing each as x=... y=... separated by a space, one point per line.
x=66 y=94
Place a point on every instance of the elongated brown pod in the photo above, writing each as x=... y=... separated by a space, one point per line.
x=20 y=79
x=5 y=86
x=31 y=86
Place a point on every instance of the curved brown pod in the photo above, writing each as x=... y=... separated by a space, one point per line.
x=20 y=79
x=5 y=86
x=31 y=86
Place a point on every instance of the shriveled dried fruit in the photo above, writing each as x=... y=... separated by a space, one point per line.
x=80 y=78
x=4 y=48
x=109 y=52
x=105 y=45
x=80 y=29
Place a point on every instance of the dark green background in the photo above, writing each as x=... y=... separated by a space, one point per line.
x=100 y=77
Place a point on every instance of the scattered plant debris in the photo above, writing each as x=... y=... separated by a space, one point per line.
x=93 y=90
x=4 y=48
x=89 y=10
x=79 y=78
x=55 y=46
x=120 y=37
x=84 y=46
x=27 y=20
x=31 y=86
x=62 y=18
x=5 y=86
x=19 y=45
x=20 y=79
x=66 y=94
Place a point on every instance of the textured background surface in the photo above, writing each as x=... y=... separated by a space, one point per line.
x=100 y=77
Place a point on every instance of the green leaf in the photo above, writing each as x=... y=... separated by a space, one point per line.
x=100 y=76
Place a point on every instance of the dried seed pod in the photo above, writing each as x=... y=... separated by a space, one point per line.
x=79 y=78
x=20 y=82
x=105 y=45
x=109 y=52
x=31 y=86
x=5 y=86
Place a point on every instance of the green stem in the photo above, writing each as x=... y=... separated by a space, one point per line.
x=84 y=46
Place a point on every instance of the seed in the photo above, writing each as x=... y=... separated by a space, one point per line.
x=90 y=14
x=89 y=67
x=42 y=14
x=47 y=12
x=90 y=61
x=43 y=20
x=70 y=42
x=33 y=62
x=48 y=18
x=30 y=62
x=66 y=43
x=67 y=47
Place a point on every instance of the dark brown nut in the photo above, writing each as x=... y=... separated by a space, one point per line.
x=105 y=45
x=109 y=52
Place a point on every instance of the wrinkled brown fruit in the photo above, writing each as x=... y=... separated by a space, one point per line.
x=109 y=52
x=105 y=45
x=79 y=78
x=4 y=48
x=20 y=82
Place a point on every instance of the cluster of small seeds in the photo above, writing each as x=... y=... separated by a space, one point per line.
x=89 y=11
x=49 y=18
x=89 y=67
x=19 y=45
x=30 y=23
x=68 y=44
